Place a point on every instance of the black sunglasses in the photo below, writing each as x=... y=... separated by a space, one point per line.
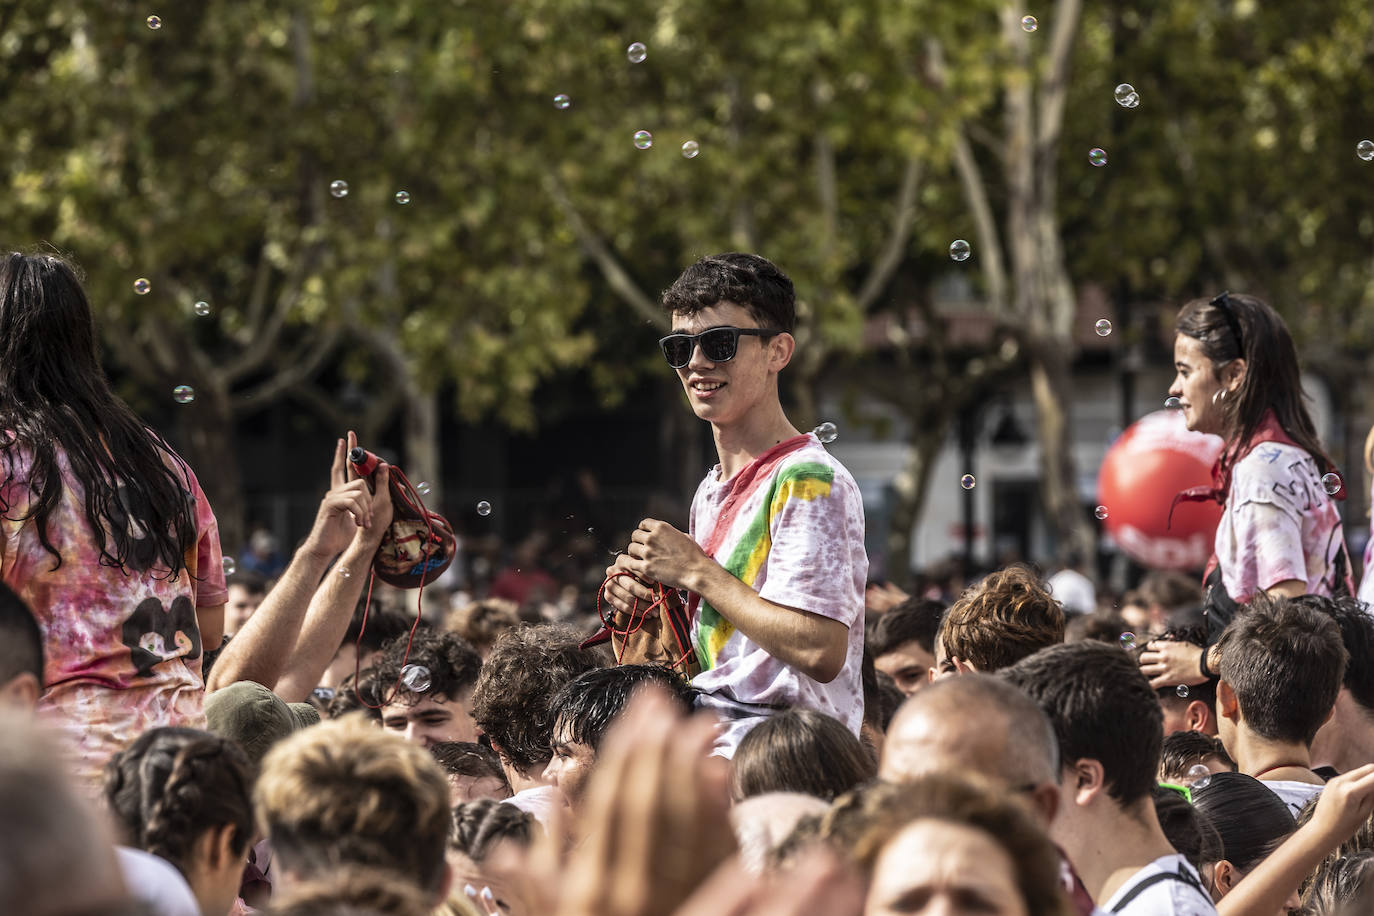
x=718 y=345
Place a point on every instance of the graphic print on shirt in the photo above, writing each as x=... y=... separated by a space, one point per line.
x=151 y=632
x=804 y=481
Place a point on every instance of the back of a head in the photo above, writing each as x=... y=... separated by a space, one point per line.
x=1101 y=627
x=351 y=892
x=1169 y=590
x=1357 y=635
x=976 y=723
x=172 y=784
x=1102 y=708
x=1285 y=663
x=479 y=825
x=1187 y=829
x=1342 y=886
x=468 y=758
x=346 y=794
x=21 y=641
x=1182 y=751
x=588 y=704
x=801 y=750
x=746 y=280
x=454 y=666
x=250 y=580
x=480 y=622
x=1004 y=618
x=914 y=620
x=382 y=626
x=764 y=822
x=513 y=702
x=1246 y=813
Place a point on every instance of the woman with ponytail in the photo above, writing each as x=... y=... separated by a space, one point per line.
x=185 y=796
x=104 y=530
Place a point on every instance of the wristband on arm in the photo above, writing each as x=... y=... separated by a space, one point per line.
x=1202 y=665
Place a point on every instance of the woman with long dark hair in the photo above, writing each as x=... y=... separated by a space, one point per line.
x=1280 y=530
x=104 y=530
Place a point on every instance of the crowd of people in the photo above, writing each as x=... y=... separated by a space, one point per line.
x=754 y=729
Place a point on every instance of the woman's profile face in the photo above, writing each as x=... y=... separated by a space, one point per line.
x=1195 y=385
x=935 y=867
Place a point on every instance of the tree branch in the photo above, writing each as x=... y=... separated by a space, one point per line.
x=301 y=366
x=900 y=234
x=264 y=344
x=1055 y=90
x=827 y=192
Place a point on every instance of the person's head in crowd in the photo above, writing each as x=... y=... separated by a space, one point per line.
x=360 y=696
x=364 y=641
x=1107 y=719
x=1282 y=664
x=1251 y=822
x=353 y=891
x=801 y=750
x=482 y=825
x=473 y=771
x=1188 y=708
x=882 y=699
x=903 y=642
x=1347 y=740
x=1342 y=886
x=345 y=794
x=956 y=846
x=1002 y=619
x=480 y=622
x=184 y=795
x=441 y=709
x=255 y=718
x=979 y=724
x=764 y=822
x=1166 y=594
x=21 y=653
x=584 y=709
x=247 y=588
x=513 y=702
x=1135 y=611
x=1186 y=830
x=1101 y=627
x=57 y=857
x=1183 y=752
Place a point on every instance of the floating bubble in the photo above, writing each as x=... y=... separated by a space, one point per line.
x=183 y=394
x=231 y=566
x=1128 y=640
x=1172 y=403
x=484 y=509
x=959 y=250
x=562 y=101
x=142 y=286
x=1181 y=690
x=402 y=197
x=1331 y=483
x=155 y=22
x=1100 y=512
x=416 y=678
x=968 y=482
x=1097 y=156
x=338 y=187
x=423 y=488
x=1103 y=327
x=1126 y=96
x=643 y=139
x=637 y=52
x=690 y=149
x=1199 y=775
x=201 y=308
x=1029 y=23
x=1365 y=150
x=345 y=572
x=826 y=432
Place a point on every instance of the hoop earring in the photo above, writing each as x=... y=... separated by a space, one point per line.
x=1218 y=397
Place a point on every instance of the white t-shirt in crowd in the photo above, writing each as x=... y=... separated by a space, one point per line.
x=1168 y=886
x=1295 y=795
x=156 y=883
x=539 y=801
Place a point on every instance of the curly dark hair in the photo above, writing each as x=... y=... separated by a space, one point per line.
x=452 y=662
x=590 y=702
x=480 y=824
x=1001 y=620
x=747 y=280
x=173 y=784
x=513 y=702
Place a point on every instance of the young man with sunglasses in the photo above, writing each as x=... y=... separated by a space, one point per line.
x=774 y=563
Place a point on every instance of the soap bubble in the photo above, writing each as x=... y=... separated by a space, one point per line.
x=1029 y=23
x=201 y=308
x=142 y=286
x=338 y=187
x=1365 y=150
x=968 y=482
x=826 y=432
x=1103 y=327
x=690 y=149
x=643 y=139
x=1172 y=403
x=1097 y=156
x=231 y=566
x=1181 y=690
x=484 y=508
x=155 y=22
x=1331 y=483
x=562 y=101
x=402 y=197
x=1126 y=96
x=1128 y=640
x=1100 y=512
x=1198 y=774
x=416 y=678
x=959 y=250
x=637 y=52
x=423 y=488
x=183 y=394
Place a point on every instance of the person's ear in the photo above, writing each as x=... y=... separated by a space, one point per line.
x=780 y=351
x=1089 y=780
x=1198 y=717
x=21 y=692
x=1225 y=877
x=1227 y=706
x=1044 y=800
x=963 y=666
x=932 y=675
x=1233 y=376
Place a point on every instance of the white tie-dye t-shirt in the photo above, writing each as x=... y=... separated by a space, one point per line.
x=795 y=535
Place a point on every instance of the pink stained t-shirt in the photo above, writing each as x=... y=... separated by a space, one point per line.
x=122 y=648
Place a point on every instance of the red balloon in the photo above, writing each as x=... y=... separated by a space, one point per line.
x=1144 y=469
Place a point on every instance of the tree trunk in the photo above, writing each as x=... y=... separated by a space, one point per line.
x=208 y=427
x=1052 y=392
x=911 y=487
x=421 y=440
